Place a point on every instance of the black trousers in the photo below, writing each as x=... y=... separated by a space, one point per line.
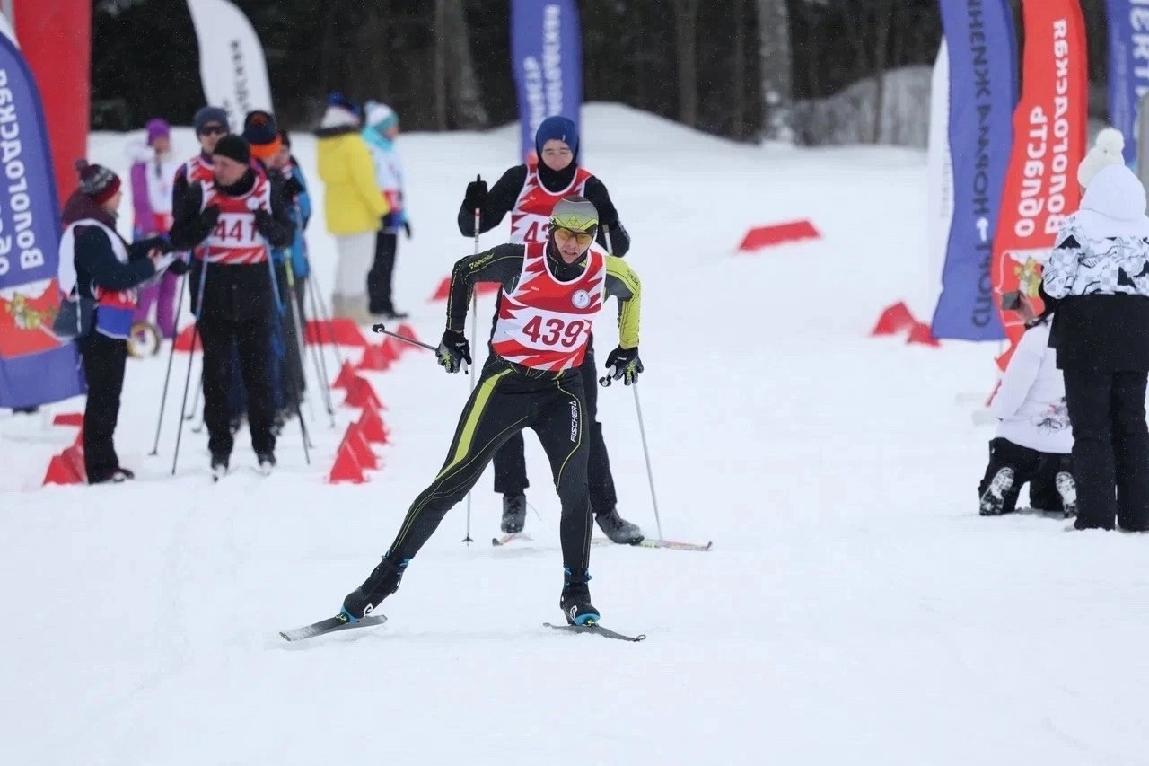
x=511 y=464
x=379 y=278
x=507 y=399
x=104 y=360
x=252 y=338
x=1110 y=448
x=1039 y=469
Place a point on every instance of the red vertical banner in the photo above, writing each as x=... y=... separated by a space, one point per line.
x=55 y=37
x=1049 y=136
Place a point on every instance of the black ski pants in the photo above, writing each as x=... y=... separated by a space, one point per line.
x=507 y=399
x=1039 y=469
x=1110 y=448
x=379 y=277
x=104 y=360
x=251 y=336
x=511 y=464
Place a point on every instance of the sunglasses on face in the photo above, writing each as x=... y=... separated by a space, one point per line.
x=562 y=236
x=213 y=130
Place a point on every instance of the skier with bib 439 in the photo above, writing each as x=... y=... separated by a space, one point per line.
x=529 y=192
x=551 y=292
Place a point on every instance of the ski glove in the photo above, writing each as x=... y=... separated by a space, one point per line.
x=264 y=222
x=453 y=351
x=476 y=195
x=624 y=363
x=179 y=267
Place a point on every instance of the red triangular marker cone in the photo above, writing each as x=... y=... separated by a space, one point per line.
x=346 y=467
x=372 y=427
x=60 y=471
x=921 y=335
x=893 y=320
x=363 y=453
x=345 y=376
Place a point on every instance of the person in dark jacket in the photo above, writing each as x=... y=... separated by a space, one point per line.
x=232 y=222
x=108 y=270
x=1098 y=279
x=529 y=192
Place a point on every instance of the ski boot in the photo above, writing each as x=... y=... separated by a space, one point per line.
x=575 y=599
x=992 y=502
x=514 y=513
x=618 y=529
x=1067 y=488
x=383 y=581
x=219 y=466
x=266 y=462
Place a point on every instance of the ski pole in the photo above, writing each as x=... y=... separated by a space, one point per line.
x=168 y=374
x=297 y=322
x=605 y=381
x=279 y=309
x=191 y=358
x=317 y=360
x=313 y=303
x=474 y=350
x=381 y=329
x=324 y=315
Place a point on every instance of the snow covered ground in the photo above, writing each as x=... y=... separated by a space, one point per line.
x=854 y=609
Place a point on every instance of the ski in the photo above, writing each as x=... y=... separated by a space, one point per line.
x=339 y=622
x=510 y=537
x=675 y=546
x=596 y=629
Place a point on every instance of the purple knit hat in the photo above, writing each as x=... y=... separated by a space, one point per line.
x=157 y=127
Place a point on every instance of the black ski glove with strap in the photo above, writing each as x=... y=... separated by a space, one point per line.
x=624 y=363
x=453 y=351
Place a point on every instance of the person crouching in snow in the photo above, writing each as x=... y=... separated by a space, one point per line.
x=1034 y=436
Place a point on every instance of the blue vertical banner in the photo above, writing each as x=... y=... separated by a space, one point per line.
x=546 y=52
x=35 y=366
x=1128 y=67
x=983 y=91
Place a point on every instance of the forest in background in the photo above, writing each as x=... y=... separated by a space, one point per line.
x=743 y=69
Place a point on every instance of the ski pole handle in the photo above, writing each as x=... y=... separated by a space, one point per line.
x=381 y=329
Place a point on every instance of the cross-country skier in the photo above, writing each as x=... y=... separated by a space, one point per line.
x=1034 y=437
x=529 y=192
x=551 y=292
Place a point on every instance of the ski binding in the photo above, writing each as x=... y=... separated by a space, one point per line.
x=510 y=537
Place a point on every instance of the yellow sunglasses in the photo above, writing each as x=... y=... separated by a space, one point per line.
x=564 y=235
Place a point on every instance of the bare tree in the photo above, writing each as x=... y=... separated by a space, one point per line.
x=685 y=30
x=774 y=66
x=463 y=85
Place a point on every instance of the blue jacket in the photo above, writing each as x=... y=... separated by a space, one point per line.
x=300 y=202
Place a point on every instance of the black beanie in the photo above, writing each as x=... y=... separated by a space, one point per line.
x=234 y=148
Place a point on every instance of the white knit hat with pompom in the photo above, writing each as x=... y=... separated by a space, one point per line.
x=1107 y=148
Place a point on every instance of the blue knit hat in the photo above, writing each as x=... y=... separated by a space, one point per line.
x=337 y=99
x=209 y=114
x=560 y=128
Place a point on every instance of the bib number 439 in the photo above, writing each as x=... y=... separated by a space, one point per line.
x=554 y=331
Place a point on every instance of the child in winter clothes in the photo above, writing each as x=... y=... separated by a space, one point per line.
x=382 y=127
x=1034 y=437
x=152 y=176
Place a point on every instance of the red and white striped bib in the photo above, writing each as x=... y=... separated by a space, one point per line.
x=530 y=217
x=198 y=169
x=235 y=240
x=545 y=323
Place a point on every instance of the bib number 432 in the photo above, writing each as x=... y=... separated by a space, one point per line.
x=554 y=331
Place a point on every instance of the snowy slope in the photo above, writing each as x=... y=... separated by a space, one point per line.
x=855 y=609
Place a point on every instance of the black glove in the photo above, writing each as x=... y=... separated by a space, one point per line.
x=179 y=267
x=264 y=222
x=624 y=363
x=292 y=188
x=476 y=196
x=206 y=222
x=407 y=228
x=453 y=351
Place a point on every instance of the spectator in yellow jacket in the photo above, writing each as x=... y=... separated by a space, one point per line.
x=353 y=204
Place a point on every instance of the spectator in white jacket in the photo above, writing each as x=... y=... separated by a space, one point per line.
x=1034 y=437
x=380 y=129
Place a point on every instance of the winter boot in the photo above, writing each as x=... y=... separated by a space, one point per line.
x=575 y=600
x=618 y=529
x=266 y=462
x=1067 y=488
x=219 y=466
x=514 y=513
x=992 y=501
x=384 y=581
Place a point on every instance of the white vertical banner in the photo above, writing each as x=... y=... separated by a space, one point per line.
x=231 y=62
x=6 y=19
x=939 y=170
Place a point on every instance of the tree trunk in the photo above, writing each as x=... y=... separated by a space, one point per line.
x=775 y=67
x=685 y=27
x=882 y=32
x=462 y=85
x=439 y=63
x=738 y=72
